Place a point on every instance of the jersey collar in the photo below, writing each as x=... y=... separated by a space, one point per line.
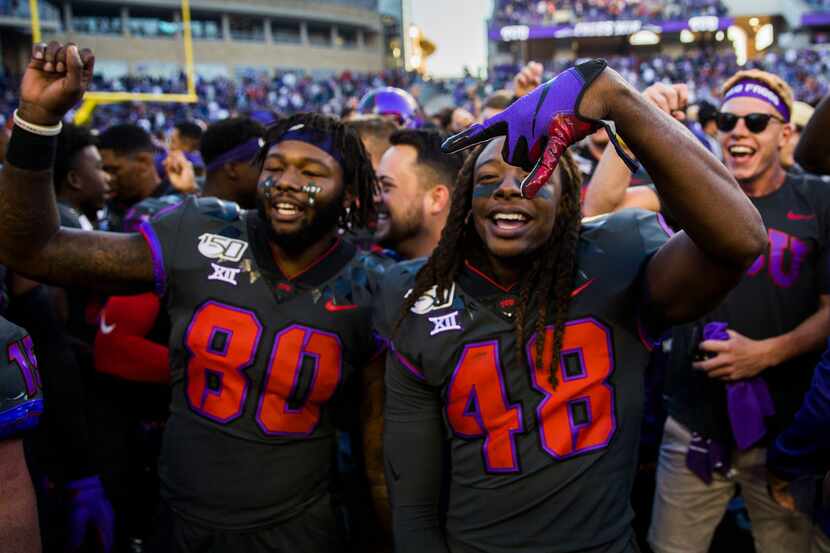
x=499 y=299
x=317 y=272
x=479 y=283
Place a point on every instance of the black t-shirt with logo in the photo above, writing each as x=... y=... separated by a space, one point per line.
x=778 y=292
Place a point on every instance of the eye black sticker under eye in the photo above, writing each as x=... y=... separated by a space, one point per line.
x=544 y=193
x=485 y=190
x=311 y=189
x=268 y=186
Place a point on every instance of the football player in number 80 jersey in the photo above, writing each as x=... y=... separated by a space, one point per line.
x=524 y=337
x=269 y=311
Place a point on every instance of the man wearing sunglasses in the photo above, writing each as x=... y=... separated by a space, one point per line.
x=737 y=377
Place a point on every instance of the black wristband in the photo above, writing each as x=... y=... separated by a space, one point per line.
x=30 y=151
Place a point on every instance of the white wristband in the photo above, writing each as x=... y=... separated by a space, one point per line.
x=54 y=130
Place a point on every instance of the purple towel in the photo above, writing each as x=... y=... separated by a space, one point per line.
x=705 y=457
x=748 y=400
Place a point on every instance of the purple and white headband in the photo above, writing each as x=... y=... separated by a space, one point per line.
x=750 y=88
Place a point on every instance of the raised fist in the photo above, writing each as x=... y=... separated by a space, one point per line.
x=670 y=98
x=527 y=79
x=55 y=80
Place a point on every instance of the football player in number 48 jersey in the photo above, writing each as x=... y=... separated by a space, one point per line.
x=524 y=336
x=269 y=311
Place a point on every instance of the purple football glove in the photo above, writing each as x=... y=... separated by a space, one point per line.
x=90 y=512
x=540 y=126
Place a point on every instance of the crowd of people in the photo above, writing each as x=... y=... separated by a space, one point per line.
x=806 y=70
x=821 y=5
x=361 y=327
x=546 y=12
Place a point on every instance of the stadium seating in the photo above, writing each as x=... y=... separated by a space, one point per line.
x=807 y=70
x=536 y=12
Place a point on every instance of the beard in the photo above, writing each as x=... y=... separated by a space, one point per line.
x=325 y=217
x=401 y=228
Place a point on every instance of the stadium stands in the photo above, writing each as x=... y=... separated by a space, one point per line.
x=807 y=70
x=535 y=12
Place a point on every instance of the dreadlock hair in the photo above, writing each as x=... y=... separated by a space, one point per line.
x=551 y=272
x=358 y=176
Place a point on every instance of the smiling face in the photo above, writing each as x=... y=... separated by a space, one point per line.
x=509 y=225
x=401 y=205
x=750 y=156
x=292 y=165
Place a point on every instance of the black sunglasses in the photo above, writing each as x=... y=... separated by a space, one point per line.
x=755 y=122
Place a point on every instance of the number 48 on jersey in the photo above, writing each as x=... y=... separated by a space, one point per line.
x=575 y=418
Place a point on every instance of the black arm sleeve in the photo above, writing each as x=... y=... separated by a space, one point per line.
x=64 y=418
x=413 y=444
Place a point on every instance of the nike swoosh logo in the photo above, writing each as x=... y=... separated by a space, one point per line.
x=800 y=217
x=330 y=306
x=105 y=328
x=582 y=288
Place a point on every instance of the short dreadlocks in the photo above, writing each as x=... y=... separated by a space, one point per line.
x=358 y=176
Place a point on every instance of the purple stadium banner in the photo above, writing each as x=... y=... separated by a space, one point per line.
x=620 y=27
x=815 y=19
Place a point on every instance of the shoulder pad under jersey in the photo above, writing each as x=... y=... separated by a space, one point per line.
x=148 y=208
x=219 y=209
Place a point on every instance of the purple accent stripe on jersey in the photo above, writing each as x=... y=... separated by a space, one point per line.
x=132 y=222
x=28 y=370
x=381 y=346
x=159 y=274
x=664 y=225
x=165 y=210
x=20 y=418
x=648 y=342
x=133 y=219
x=406 y=363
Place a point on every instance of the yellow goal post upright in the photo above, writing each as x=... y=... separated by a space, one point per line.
x=92 y=99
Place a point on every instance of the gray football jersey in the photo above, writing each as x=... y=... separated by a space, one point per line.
x=258 y=361
x=533 y=469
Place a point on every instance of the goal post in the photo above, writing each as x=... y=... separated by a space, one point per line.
x=93 y=99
